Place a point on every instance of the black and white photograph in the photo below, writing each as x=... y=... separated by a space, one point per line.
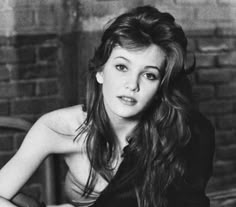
x=117 y=103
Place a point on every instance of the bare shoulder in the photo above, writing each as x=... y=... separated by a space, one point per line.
x=60 y=129
x=65 y=120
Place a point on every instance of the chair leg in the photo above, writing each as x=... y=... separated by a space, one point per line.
x=50 y=181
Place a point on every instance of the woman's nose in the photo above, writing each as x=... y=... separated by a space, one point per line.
x=132 y=83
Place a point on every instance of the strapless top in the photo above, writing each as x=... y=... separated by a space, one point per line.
x=74 y=191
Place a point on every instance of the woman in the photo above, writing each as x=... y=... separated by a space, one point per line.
x=139 y=141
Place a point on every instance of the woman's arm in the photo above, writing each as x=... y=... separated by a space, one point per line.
x=5 y=203
x=21 y=166
x=52 y=133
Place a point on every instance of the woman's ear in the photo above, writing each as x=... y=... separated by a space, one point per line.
x=99 y=77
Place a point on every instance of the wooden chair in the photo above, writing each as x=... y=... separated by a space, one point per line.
x=13 y=123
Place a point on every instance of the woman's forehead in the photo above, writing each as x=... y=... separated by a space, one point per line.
x=151 y=54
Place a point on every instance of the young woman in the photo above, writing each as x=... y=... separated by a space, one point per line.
x=138 y=142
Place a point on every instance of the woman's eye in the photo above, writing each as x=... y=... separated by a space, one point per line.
x=121 y=67
x=150 y=76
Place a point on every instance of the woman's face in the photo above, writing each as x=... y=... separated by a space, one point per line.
x=130 y=80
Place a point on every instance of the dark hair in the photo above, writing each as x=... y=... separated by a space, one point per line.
x=158 y=141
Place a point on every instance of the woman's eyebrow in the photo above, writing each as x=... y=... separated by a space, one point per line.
x=122 y=58
x=146 y=67
x=152 y=67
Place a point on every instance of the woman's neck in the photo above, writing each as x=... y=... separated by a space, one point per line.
x=122 y=128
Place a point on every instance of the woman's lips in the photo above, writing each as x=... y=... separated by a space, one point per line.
x=127 y=100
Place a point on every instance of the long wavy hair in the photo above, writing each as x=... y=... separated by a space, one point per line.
x=158 y=141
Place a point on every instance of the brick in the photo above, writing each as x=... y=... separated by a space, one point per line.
x=4 y=108
x=191 y=44
x=226 y=31
x=3 y=40
x=17 y=89
x=213 y=75
x=25 y=72
x=3 y=4
x=191 y=1
x=46 y=16
x=6 y=143
x=21 y=55
x=26 y=89
x=227 y=122
x=227 y=59
x=232 y=71
x=228 y=90
x=48 y=53
x=225 y=137
x=215 y=44
x=152 y=2
x=230 y=2
x=33 y=39
x=99 y=9
x=47 y=87
x=106 y=0
x=8 y=54
x=169 y=3
x=143 y=2
x=177 y=11
x=203 y=92
x=4 y=32
x=17 y=4
x=23 y=3
x=35 y=105
x=226 y=152
x=8 y=90
x=93 y=24
x=220 y=183
x=224 y=167
x=196 y=27
x=216 y=107
x=208 y=13
x=205 y=60
x=26 y=55
x=24 y=18
x=4 y=73
x=7 y=20
x=234 y=105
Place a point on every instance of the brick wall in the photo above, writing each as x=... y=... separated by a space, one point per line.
x=33 y=80
x=45 y=45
